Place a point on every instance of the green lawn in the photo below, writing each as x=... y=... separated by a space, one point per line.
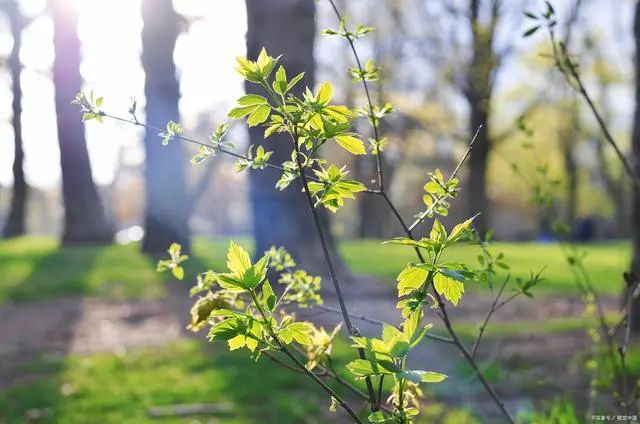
x=121 y=388
x=36 y=268
x=605 y=261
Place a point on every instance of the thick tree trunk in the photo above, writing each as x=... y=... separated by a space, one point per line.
x=478 y=92
x=476 y=184
x=167 y=201
x=15 y=225
x=85 y=220
x=568 y=137
x=616 y=190
x=635 y=227
x=283 y=218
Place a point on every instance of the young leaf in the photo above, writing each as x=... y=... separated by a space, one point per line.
x=238 y=259
x=268 y=296
x=259 y=115
x=459 y=230
x=351 y=144
x=448 y=287
x=252 y=100
x=410 y=279
x=531 y=31
x=325 y=93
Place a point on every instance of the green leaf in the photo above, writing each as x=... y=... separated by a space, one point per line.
x=418 y=376
x=448 y=287
x=378 y=417
x=178 y=272
x=424 y=243
x=399 y=348
x=252 y=100
x=224 y=330
x=410 y=279
x=364 y=368
x=268 y=296
x=531 y=31
x=295 y=80
x=351 y=144
x=255 y=274
x=325 y=93
x=239 y=112
x=298 y=331
x=237 y=342
x=438 y=232
x=459 y=230
x=238 y=260
x=259 y=115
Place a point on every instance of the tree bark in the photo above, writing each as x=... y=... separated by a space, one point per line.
x=569 y=134
x=15 y=225
x=479 y=90
x=85 y=219
x=476 y=184
x=282 y=218
x=635 y=146
x=167 y=200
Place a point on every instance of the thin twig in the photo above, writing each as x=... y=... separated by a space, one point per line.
x=190 y=140
x=376 y=322
x=429 y=211
x=492 y=310
x=374 y=120
x=568 y=69
x=332 y=273
x=447 y=322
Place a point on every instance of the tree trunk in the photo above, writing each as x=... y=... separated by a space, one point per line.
x=635 y=142
x=15 y=225
x=167 y=201
x=283 y=218
x=85 y=220
x=616 y=190
x=568 y=137
x=476 y=185
x=478 y=93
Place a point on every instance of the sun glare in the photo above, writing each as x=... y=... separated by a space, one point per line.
x=111 y=48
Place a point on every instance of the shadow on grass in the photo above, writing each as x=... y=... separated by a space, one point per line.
x=43 y=330
x=121 y=388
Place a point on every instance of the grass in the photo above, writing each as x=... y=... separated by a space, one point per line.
x=605 y=261
x=121 y=388
x=37 y=268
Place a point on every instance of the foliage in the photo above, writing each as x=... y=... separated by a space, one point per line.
x=241 y=307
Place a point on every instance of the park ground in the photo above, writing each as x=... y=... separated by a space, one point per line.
x=95 y=332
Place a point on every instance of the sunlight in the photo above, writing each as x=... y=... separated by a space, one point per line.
x=111 y=48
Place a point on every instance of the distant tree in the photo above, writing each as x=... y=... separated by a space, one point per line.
x=478 y=91
x=284 y=27
x=85 y=220
x=167 y=200
x=15 y=224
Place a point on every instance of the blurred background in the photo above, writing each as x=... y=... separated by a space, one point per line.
x=85 y=209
